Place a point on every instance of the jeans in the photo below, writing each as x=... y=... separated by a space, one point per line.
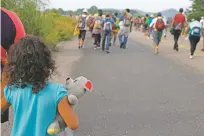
x=123 y=40
x=193 y=41
x=106 y=38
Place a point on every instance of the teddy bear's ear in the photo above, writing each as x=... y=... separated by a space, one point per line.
x=67 y=78
x=89 y=86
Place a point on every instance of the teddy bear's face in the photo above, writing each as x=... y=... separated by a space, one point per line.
x=78 y=87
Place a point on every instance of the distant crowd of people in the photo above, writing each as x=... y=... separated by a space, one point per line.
x=105 y=27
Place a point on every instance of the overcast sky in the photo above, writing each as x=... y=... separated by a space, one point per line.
x=145 y=5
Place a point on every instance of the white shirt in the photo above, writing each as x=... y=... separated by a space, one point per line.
x=153 y=24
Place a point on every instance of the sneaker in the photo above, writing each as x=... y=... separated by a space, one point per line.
x=107 y=51
x=191 y=57
x=156 y=50
x=79 y=46
x=121 y=45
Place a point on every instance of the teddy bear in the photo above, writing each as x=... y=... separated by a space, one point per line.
x=76 y=89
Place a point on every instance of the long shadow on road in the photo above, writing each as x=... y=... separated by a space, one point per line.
x=138 y=93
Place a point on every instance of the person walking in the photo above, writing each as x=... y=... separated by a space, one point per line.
x=178 y=24
x=125 y=24
x=149 y=28
x=146 y=20
x=115 y=27
x=29 y=92
x=202 y=23
x=83 y=27
x=107 y=32
x=195 y=33
x=97 y=29
x=158 y=24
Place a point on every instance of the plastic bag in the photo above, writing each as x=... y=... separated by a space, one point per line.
x=76 y=31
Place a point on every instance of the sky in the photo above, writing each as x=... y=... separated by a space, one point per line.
x=145 y=5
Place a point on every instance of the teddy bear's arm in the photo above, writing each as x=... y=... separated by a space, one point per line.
x=67 y=114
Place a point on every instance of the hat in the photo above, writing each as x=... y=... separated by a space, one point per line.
x=159 y=14
x=85 y=11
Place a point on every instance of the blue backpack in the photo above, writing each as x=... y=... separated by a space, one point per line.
x=107 y=26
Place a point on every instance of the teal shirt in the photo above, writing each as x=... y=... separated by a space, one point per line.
x=193 y=25
x=34 y=112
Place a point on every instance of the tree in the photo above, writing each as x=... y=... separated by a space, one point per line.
x=93 y=9
x=196 y=10
x=61 y=11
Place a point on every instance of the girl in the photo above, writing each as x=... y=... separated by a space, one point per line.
x=33 y=98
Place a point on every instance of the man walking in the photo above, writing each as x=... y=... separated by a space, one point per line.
x=83 y=27
x=97 y=29
x=125 y=24
x=107 y=32
x=178 y=23
x=158 y=24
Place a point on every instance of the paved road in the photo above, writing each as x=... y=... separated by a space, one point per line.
x=139 y=94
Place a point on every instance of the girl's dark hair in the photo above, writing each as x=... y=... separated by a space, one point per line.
x=30 y=61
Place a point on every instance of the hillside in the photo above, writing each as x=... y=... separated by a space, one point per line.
x=169 y=13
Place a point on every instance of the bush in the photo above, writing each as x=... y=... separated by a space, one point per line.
x=49 y=25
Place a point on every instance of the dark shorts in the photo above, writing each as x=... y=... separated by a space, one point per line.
x=82 y=34
x=146 y=26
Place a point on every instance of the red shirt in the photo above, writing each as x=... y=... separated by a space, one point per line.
x=179 y=18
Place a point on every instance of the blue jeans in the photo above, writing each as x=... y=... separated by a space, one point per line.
x=123 y=40
x=107 y=39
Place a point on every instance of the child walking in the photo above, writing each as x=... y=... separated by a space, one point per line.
x=35 y=100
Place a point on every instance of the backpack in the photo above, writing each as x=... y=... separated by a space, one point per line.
x=127 y=22
x=82 y=23
x=97 y=24
x=117 y=23
x=196 y=31
x=160 y=25
x=107 y=26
